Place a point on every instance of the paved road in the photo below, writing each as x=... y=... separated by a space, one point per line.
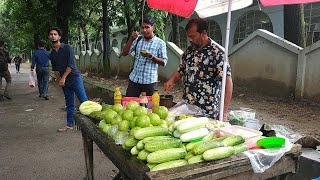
x=30 y=146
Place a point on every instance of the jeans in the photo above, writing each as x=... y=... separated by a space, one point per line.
x=76 y=88
x=43 y=80
x=18 y=67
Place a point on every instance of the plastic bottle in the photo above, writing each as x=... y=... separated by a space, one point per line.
x=143 y=100
x=155 y=100
x=117 y=96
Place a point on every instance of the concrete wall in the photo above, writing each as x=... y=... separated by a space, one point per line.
x=266 y=63
x=311 y=77
x=174 y=55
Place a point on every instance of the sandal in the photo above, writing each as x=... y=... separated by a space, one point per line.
x=65 y=128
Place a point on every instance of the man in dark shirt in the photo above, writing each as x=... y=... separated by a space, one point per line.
x=17 y=62
x=67 y=74
x=40 y=59
x=4 y=72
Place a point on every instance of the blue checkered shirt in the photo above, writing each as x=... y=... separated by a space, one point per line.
x=145 y=71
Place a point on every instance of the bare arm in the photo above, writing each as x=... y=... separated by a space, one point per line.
x=157 y=60
x=57 y=74
x=63 y=78
x=176 y=76
x=227 y=97
x=126 y=48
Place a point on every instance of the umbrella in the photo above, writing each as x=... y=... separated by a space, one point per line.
x=205 y=8
x=278 y=2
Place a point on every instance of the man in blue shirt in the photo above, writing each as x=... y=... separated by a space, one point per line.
x=150 y=51
x=40 y=59
x=67 y=74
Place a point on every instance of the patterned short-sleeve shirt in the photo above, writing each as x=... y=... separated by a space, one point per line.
x=202 y=71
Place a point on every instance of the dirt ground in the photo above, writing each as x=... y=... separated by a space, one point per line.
x=300 y=116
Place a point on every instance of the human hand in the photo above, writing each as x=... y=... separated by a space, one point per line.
x=32 y=73
x=62 y=82
x=134 y=35
x=146 y=53
x=168 y=86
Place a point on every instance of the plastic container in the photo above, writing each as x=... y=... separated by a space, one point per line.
x=155 y=100
x=252 y=124
x=125 y=101
x=117 y=96
x=271 y=142
x=246 y=133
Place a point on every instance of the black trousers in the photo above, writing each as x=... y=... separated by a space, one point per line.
x=135 y=89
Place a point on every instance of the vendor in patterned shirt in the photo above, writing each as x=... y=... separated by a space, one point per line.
x=202 y=68
x=150 y=51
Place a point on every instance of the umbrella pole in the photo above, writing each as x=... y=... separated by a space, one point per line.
x=226 y=59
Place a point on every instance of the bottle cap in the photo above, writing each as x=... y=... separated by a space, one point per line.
x=117 y=88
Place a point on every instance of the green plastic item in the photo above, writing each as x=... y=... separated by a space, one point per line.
x=271 y=142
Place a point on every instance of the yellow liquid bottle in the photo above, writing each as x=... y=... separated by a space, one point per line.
x=117 y=96
x=155 y=100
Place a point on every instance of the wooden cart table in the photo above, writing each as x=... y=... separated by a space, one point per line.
x=235 y=167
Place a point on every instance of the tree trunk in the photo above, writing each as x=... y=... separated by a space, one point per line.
x=175 y=30
x=86 y=36
x=80 y=38
x=130 y=28
x=36 y=38
x=64 y=9
x=294 y=28
x=106 y=38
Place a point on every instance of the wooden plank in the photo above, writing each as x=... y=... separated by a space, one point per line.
x=122 y=159
x=88 y=154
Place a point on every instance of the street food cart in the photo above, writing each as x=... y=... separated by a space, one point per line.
x=130 y=167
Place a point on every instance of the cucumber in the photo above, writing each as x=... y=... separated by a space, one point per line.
x=151 y=131
x=195 y=159
x=134 y=151
x=166 y=155
x=177 y=123
x=125 y=147
x=192 y=125
x=220 y=139
x=195 y=134
x=170 y=164
x=218 y=153
x=188 y=156
x=171 y=128
x=233 y=140
x=191 y=145
x=130 y=142
x=240 y=148
x=156 y=138
x=209 y=136
x=204 y=146
x=176 y=134
x=143 y=155
x=140 y=145
x=151 y=165
x=153 y=146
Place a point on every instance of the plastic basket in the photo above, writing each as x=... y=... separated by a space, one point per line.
x=125 y=101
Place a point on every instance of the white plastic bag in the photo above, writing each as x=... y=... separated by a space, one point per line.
x=263 y=159
x=31 y=81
